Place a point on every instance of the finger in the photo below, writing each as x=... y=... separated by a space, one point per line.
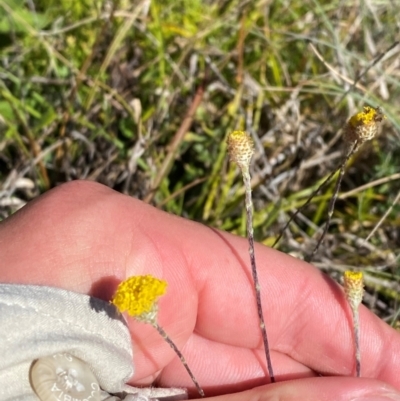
x=226 y=369
x=307 y=316
x=318 y=389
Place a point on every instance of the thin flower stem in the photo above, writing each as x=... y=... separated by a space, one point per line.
x=138 y=296
x=241 y=150
x=354 y=290
x=360 y=128
x=309 y=199
x=356 y=328
x=250 y=234
x=165 y=336
x=333 y=200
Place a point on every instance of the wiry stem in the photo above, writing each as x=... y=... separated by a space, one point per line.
x=360 y=128
x=303 y=206
x=357 y=352
x=167 y=339
x=241 y=149
x=354 y=290
x=333 y=200
x=138 y=296
x=250 y=235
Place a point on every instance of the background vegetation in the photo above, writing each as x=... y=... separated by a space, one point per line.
x=140 y=95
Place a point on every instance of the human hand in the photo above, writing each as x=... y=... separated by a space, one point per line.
x=87 y=238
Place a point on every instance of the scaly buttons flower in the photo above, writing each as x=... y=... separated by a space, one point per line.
x=138 y=295
x=363 y=126
x=354 y=288
x=240 y=148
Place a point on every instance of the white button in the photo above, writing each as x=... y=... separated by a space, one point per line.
x=63 y=377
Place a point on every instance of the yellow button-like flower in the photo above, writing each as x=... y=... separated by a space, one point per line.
x=138 y=295
x=240 y=148
x=363 y=126
x=354 y=288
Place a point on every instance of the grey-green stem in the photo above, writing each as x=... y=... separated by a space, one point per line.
x=168 y=340
x=250 y=235
x=356 y=328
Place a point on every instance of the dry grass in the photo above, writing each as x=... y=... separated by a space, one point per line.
x=140 y=96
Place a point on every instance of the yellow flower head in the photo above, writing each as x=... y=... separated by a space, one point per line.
x=363 y=126
x=354 y=288
x=240 y=148
x=138 y=296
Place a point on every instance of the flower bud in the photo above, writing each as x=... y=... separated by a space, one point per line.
x=354 y=288
x=363 y=126
x=240 y=148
